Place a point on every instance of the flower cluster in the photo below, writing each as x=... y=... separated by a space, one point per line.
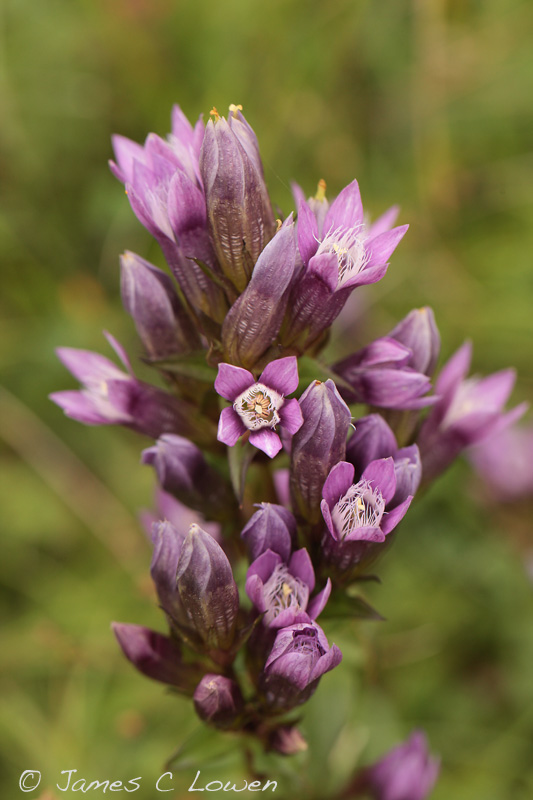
x=309 y=480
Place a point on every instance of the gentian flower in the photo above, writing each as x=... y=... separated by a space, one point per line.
x=164 y=187
x=407 y=772
x=319 y=444
x=337 y=258
x=419 y=333
x=282 y=591
x=468 y=410
x=300 y=656
x=272 y=527
x=182 y=471
x=113 y=397
x=156 y=656
x=239 y=213
x=360 y=515
x=379 y=375
x=505 y=462
x=258 y=406
x=218 y=700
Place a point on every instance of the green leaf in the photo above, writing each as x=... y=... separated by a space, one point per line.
x=239 y=459
x=351 y=607
x=310 y=369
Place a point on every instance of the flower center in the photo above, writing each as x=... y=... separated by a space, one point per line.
x=258 y=407
x=360 y=507
x=306 y=641
x=282 y=590
x=348 y=245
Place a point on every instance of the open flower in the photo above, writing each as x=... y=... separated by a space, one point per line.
x=282 y=591
x=258 y=406
x=300 y=656
x=469 y=410
x=360 y=515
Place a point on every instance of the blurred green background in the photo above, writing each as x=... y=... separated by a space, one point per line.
x=428 y=104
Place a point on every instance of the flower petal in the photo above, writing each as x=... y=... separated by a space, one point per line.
x=290 y=415
x=230 y=427
x=381 y=474
x=267 y=441
x=232 y=381
x=281 y=375
x=346 y=210
x=381 y=247
x=338 y=482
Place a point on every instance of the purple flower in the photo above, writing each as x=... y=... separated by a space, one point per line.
x=258 y=406
x=300 y=656
x=419 y=333
x=467 y=412
x=113 y=397
x=207 y=590
x=360 y=515
x=319 y=444
x=156 y=656
x=183 y=472
x=373 y=439
x=254 y=320
x=238 y=208
x=218 y=700
x=407 y=772
x=148 y=294
x=379 y=375
x=338 y=255
x=282 y=591
x=505 y=462
x=164 y=187
x=272 y=527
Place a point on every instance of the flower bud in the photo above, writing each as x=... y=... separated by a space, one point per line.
x=218 y=700
x=419 y=332
x=207 y=590
x=156 y=656
x=254 y=320
x=238 y=209
x=182 y=471
x=300 y=656
x=371 y=439
x=162 y=323
x=271 y=528
x=317 y=446
x=407 y=772
x=287 y=740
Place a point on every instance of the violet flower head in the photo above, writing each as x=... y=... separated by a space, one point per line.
x=360 y=515
x=148 y=294
x=407 y=772
x=183 y=472
x=218 y=700
x=379 y=375
x=239 y=213
x=112 y=397
x=319 y=444
x=419 y=333
x=467 y=412
x=505 y=463
x=339 y=254
x=272 y=527
x=282 y=592
x=207 y=590
x=300 y=656
x=156 y=656
x=259 y=406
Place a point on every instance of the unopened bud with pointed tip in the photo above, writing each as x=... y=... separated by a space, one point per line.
x=162 y=323
x=317 y=446
x=207 y=590
x=418 y=331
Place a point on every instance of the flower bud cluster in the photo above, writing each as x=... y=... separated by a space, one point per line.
x=309 y=478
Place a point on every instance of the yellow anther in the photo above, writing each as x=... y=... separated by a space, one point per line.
x=214 y=113
x=321 y=190
x=279 y=223
x=234 y=109
x=287 y=590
